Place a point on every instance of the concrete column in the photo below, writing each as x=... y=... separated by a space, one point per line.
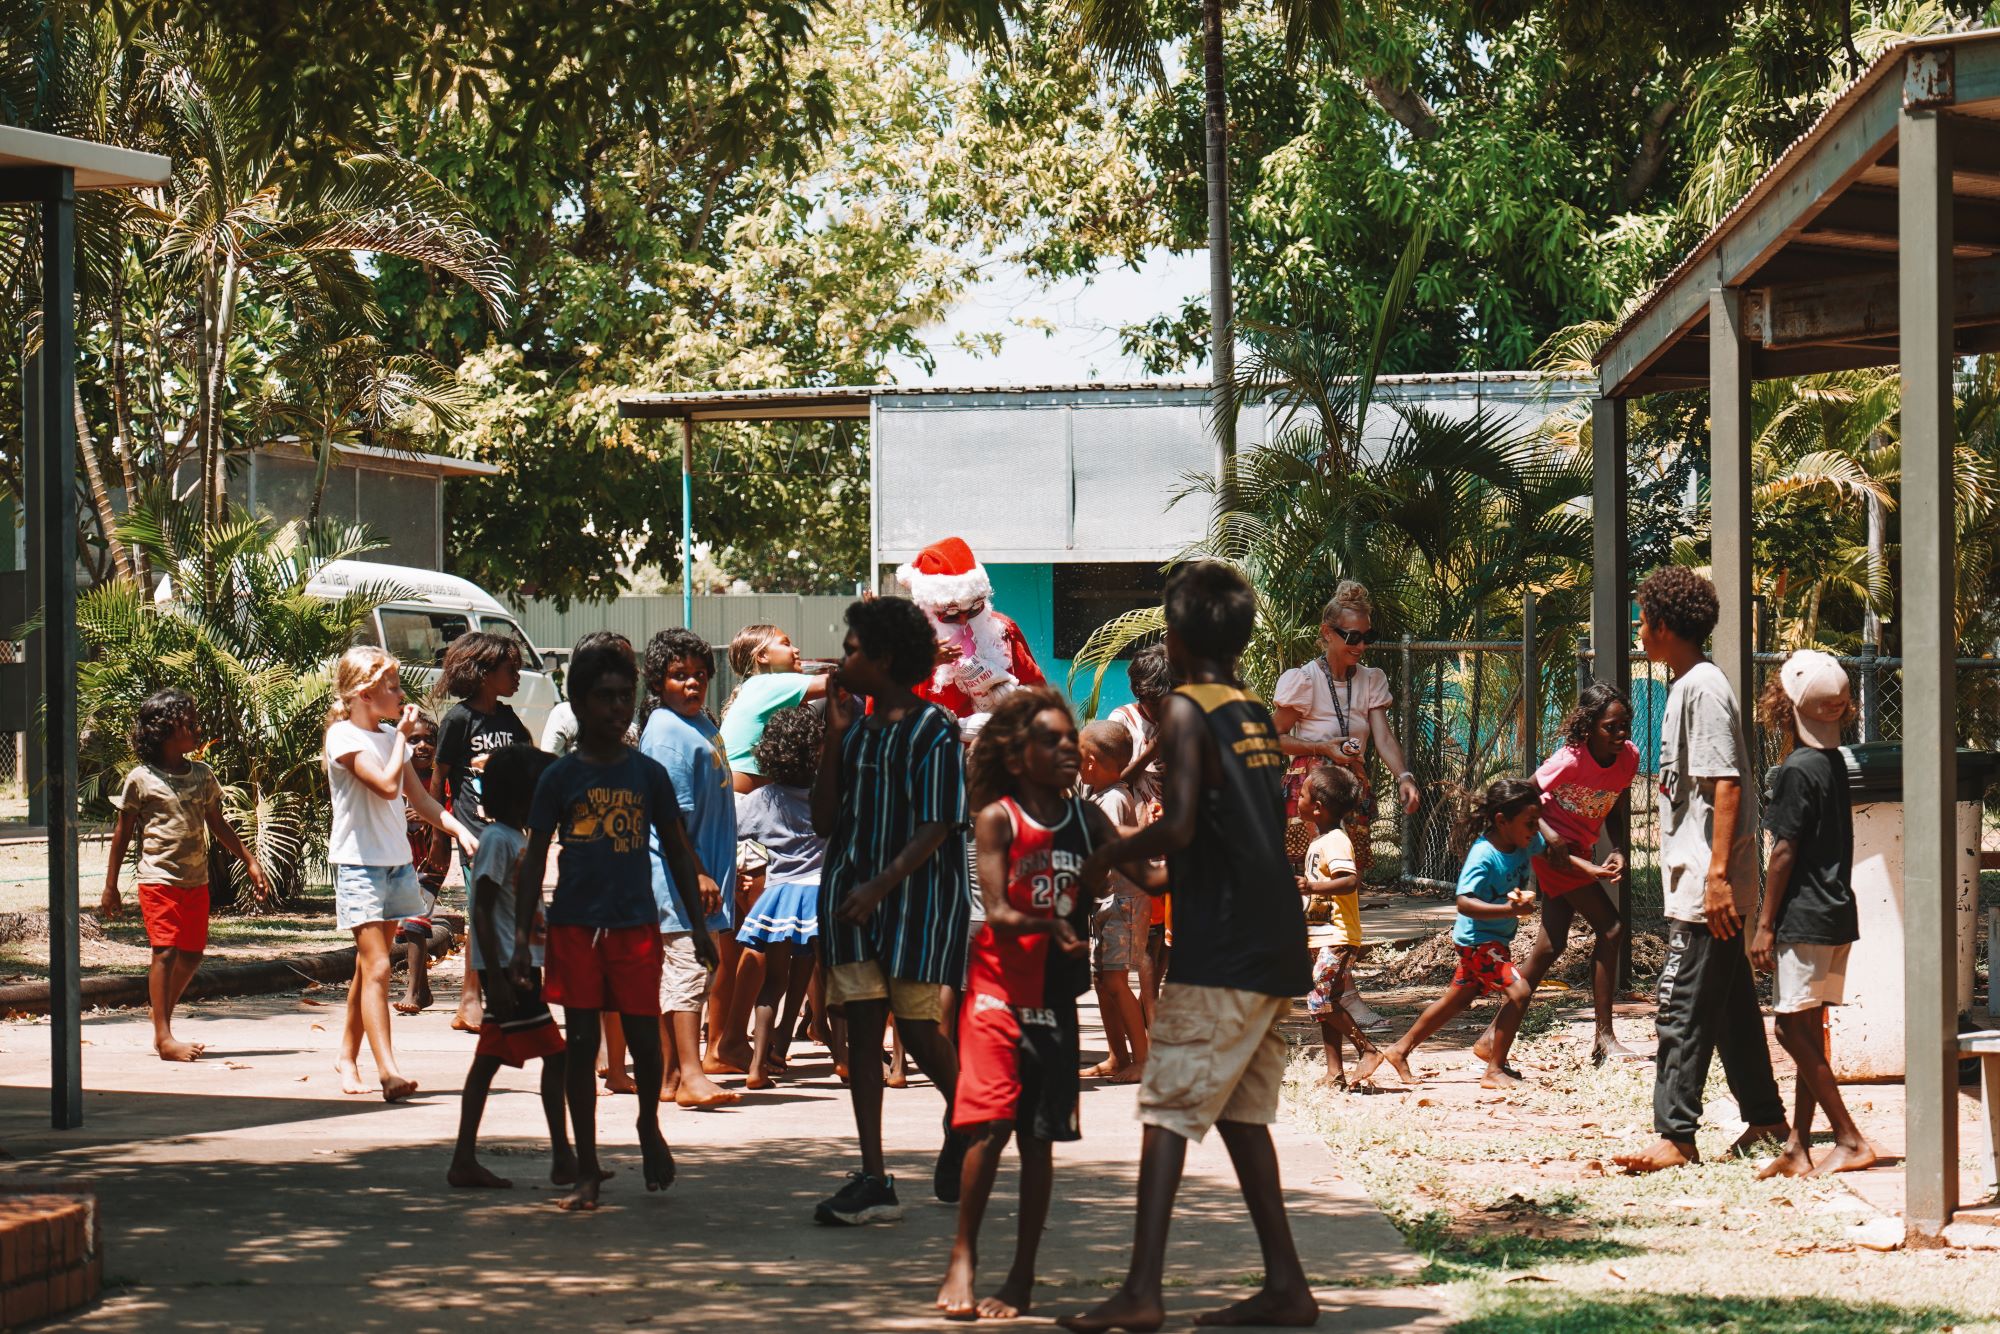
x=1729 y=491
x=1930 y=758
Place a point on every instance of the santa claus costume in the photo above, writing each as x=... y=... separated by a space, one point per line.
x=951 y=586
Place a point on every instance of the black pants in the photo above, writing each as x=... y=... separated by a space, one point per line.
x=1708 y=1004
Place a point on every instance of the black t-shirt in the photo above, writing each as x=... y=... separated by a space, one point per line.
x=465 y=738
x=1809 y=808
x=1238 y=919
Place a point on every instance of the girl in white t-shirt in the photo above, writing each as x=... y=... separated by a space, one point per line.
x=375 y=884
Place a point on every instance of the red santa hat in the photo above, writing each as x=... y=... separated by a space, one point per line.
x=945 y=574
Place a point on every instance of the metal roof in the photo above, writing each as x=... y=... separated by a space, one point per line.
x=834 y=402
x=444 y=465
x=97 y=166
x=1824 y=213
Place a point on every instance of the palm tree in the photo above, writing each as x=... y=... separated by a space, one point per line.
x=251 y=645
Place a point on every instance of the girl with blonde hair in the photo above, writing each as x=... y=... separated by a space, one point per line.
x=375 y=885
x=766 y=664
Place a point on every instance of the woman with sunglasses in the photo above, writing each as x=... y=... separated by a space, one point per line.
x=1330 y=709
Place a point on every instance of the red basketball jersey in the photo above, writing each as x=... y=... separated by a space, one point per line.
x=1044 y=864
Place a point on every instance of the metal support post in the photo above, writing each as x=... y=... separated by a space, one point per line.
x=1610 y=612
x=1531 y=689
x=687 y=522
x=1406 y=692
x=1930 y=756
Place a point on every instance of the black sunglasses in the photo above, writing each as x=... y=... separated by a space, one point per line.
x=1353 y=637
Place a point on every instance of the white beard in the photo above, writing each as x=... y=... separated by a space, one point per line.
x=982 y=643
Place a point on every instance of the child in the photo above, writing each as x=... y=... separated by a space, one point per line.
x=174 y=805
x=1809 y=920
x=1332 y=885
x=559 y=732
x=506 y=939
x=767 y=669
x=602 y=800
x=784 y=921
x=1708 y=869
x=678 y=734
x=1218 y=1053
x=1118 y=928
x=893 y=903
x=375 y=885
x=1493 y=897
x=1029 y=962
x=414 y=934
x=479 y=671
x=1151 y=677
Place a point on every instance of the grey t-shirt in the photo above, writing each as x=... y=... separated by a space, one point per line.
x=1701 y=740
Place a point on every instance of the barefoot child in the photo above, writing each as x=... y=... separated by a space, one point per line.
x=893 y=904
x=1017 y=1038
x=1332 y=887
x=506 y=939
x=414 y=933
x=783 y=923
x=679 y=736
x=1809 y=921
x=375 y=886
x=1493 y=897
x=1218 y=1054
x=479 y=671
x=1708 y=870
x=1118 y=926
x=174 y=805
x=602 y=800
x=1581 y=784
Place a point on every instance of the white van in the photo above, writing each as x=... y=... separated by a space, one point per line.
x=417 y=629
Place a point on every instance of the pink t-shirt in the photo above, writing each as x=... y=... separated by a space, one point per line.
x=1577 y=793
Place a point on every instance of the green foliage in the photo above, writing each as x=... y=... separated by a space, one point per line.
x=242 y=636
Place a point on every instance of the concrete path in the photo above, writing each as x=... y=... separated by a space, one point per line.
x=245 y=1192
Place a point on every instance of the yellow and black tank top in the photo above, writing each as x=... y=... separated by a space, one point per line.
x=1238 y=918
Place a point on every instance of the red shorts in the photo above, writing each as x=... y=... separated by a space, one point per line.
x=1017 y=1067
x=1488 y=965
x=604 y=968
x=176 y=916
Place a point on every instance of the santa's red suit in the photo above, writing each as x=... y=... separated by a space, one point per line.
x=993 y=656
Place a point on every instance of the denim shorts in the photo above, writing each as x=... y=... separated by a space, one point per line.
x=364 y=894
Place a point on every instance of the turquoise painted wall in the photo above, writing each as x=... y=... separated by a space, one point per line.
x=1027 y=593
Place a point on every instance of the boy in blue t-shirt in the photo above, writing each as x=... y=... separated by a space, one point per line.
x=1493 y=897
x=603 y=800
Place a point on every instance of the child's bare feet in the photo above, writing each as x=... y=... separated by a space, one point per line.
x=895 y=1079
x=1122 y=1311
x=173 y=1049
x=618 y=1083
x=408 y=1007
x=1609 y=1048
x=1267 y=1307
x=1107 y=1066
x=475 y=1176
x=736 y=1055
x=657 y=1158
x=1755 y=1137
x=397 y=1089
x=1795 y=1161
x=759 y=1080
x=1499 y=1077
x=350 y=1077
x=955 y=1297
x=716 y=1065
x=1843 y=1158
x=1372 y=1063
x=1010 y=1303
x=1658 y=1157
x=469 y=1016
x=1483 y=1048
x=562 y=1167
x=697 y=1092
x=1128 y=1074
x=583 y=1196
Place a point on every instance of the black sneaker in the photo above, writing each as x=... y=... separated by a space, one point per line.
x=949 y=1173
x=864 y=1199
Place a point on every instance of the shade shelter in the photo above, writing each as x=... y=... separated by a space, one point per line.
x=45 y=171
x=1874 y=239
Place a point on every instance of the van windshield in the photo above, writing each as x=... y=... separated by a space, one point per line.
x=420 y=637
x=496 y=625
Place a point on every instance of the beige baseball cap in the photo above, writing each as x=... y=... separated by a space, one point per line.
x=1817 y=686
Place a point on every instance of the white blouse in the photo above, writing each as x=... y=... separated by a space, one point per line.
x=1320 y=709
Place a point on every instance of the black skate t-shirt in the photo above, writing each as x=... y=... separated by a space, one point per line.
x=1810 y=808
x=465 y=738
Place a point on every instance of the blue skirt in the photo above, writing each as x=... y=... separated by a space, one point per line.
x=782 y=915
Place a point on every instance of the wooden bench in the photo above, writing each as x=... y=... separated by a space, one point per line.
x=1986 y=1046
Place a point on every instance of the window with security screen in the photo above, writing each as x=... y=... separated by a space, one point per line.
x=1089 y=593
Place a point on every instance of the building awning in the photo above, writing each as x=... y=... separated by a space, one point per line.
x=393 y=460
x=1813 y=244
x=97 y=166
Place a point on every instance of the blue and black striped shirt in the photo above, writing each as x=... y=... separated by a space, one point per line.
x=893 y=779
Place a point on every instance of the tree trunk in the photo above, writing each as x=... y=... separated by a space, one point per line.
x=1221 y=301
x=100 y=495
x=1406 y=105
x=1652 y=156
x=224 y=324
x=121 y=408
